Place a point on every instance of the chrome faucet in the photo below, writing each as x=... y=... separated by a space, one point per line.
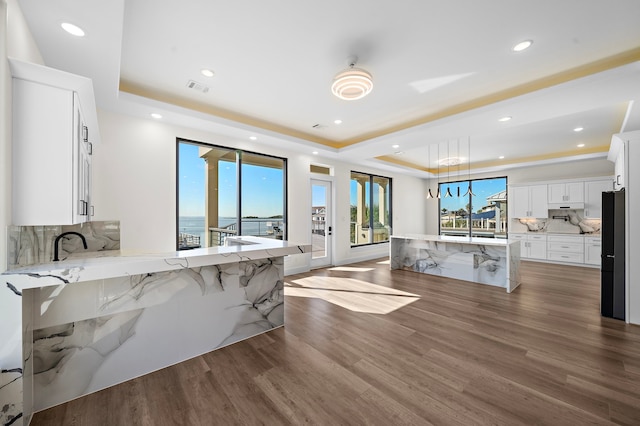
x=55 y=244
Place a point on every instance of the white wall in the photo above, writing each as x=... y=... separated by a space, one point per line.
x=15 y=41
x=568 y=170
x=134 y=181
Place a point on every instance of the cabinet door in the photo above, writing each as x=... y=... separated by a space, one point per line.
x=619 y=177
x=519 y=200
x=592 y=253
x=574 y=192
x=537 y=249
x=538 y=205
x=593 y=197
x=556 y=192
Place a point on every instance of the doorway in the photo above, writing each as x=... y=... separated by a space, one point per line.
x=321 y=223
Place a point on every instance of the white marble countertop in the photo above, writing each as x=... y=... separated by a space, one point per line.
x=454 y=239
x=121 y=263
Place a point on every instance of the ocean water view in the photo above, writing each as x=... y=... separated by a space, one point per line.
x=194 y=225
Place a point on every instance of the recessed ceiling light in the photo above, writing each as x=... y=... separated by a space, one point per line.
x=207 y=72
x=522 y=45
x=578 y=129
x=501 y=157
x=253 y=138
x=399 y=153
x=315 y=152
x=156 y=116
x=506 y=118
x=337 y=121
x=395 y=146
x=580 y=145
x=72 y=29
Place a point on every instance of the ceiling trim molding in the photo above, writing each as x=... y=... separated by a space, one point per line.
x=602 y=149
x=591 y=68
x=145 y=92
x=585 y=70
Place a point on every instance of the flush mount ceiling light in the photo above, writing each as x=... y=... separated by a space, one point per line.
x=522 y=45
x=253 y=138
x=578 y=129
x=352 y=83
x=580 y=145
x=72 y=29
x=506 y=118
x=337 y=121
x=156 y=115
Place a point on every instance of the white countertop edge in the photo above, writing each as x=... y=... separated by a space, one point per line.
x=460 y=240
x=131 y=263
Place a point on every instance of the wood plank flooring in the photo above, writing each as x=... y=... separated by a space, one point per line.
x=458 y=354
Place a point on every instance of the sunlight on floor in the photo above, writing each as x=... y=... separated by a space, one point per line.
x=384 y=262
x=350 y=269
x=352 y=294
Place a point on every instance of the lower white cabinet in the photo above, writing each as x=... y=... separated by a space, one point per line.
x=565 y=248
x=592 y=250
x=533 y=246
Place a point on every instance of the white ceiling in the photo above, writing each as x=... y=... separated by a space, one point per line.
x=443 y=72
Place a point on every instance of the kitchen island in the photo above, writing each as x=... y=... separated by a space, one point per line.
x=76 y=326
x=480 y=260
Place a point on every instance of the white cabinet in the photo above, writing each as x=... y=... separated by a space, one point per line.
x=619 y=169
x=592 y=250
x=565 y=248
x=528 y=201
x=566 y=192
x=593 y=197
x=51 y=151
x=532 y=246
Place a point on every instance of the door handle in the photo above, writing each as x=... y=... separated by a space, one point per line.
x=610 y=256
x=329 y=233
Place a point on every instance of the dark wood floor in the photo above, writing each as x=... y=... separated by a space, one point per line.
x=459 y=354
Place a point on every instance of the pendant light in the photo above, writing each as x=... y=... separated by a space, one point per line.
x=458 y=166
x=448 y=192
x=429 y=194
x=438 y=193
x=469 y=192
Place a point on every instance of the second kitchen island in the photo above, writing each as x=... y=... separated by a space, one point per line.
x=480 y=260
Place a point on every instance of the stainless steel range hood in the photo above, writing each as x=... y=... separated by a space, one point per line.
x=566 y=206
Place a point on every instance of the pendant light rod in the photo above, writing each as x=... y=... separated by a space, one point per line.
x=429 y=194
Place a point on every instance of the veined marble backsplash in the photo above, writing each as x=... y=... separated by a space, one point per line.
x=31 y=245
x=559 y=221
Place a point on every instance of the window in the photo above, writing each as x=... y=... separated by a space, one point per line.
x=370 y=209
x=481 y=213
x=224 y=191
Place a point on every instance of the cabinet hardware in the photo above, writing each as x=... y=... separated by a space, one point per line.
x=92 y=211
x=90 y=148
x=85 y=133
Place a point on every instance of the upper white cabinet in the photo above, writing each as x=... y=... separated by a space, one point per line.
x=53 y=135
x=593 y=197
x=566 y=192
x=528 y=201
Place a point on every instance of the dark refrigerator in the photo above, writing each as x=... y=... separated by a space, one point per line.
x=612 y=282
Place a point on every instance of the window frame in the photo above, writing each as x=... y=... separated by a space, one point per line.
x=470 y=183
x=370 y=200
x=238 y=163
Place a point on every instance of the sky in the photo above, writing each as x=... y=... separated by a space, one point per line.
x=262 y=193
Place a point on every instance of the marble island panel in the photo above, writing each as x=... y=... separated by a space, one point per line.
x=73 y=327
x=480 y=260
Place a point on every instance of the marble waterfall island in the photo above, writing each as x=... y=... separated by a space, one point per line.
x=480 y=260
x=76 y=326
